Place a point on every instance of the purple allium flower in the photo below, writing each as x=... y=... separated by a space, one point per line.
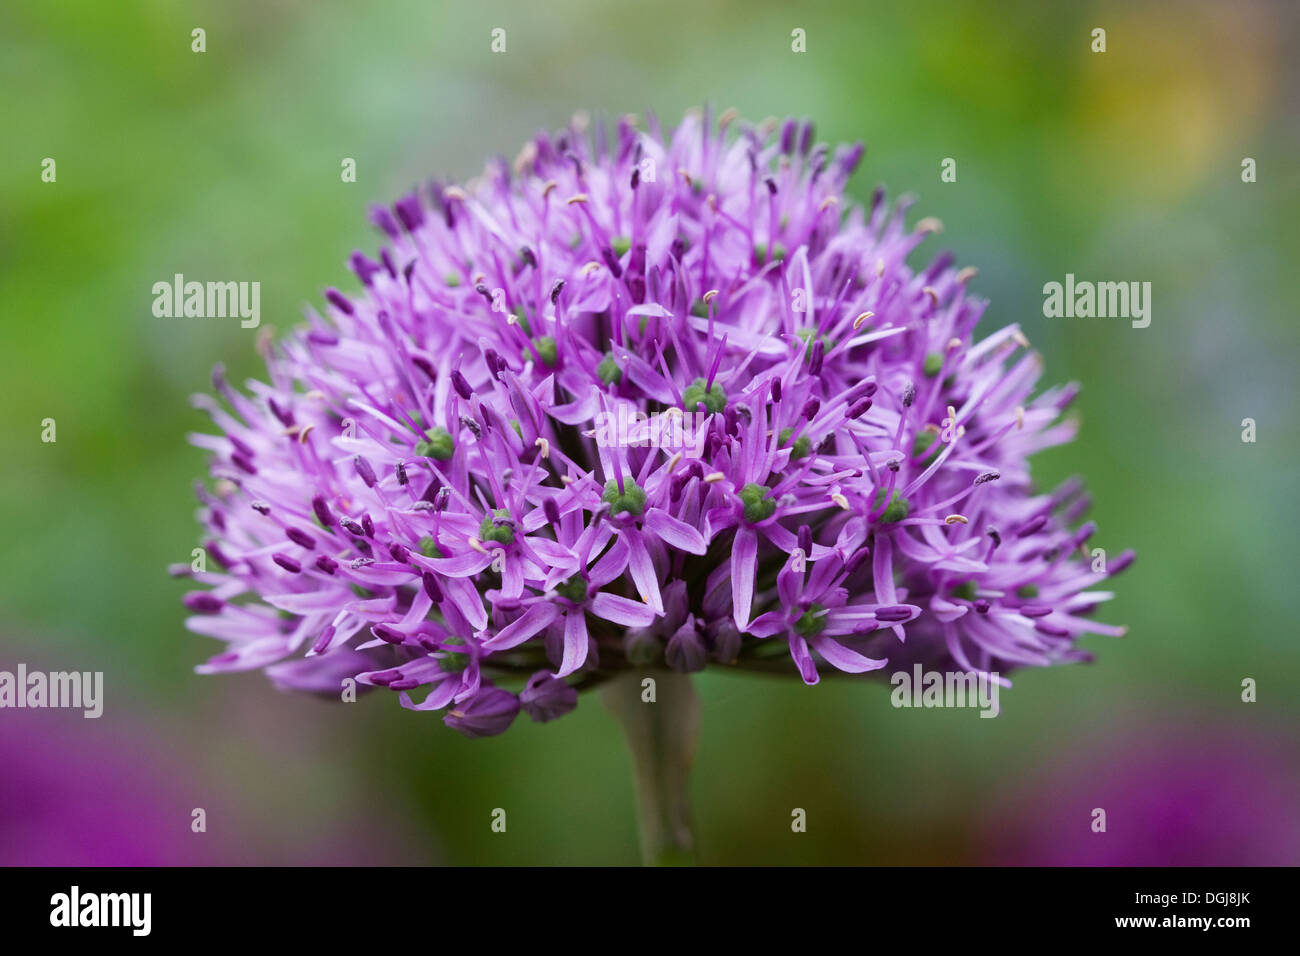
x=425 y=494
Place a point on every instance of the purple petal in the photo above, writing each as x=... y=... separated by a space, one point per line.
x=744 y=564
x=841 y=658
x=622 y=610
x=803 y=660
x=642 y=569
x=576 y=643
x=765 y=625
x=677 y=534
x=528 y=624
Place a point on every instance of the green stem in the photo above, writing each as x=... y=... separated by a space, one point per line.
x=661 y=737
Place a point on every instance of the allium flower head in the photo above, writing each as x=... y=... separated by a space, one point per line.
x=638 y=401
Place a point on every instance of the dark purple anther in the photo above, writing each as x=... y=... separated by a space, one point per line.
x=860 y=409
x=1122 y=562
x=425 y=366
x=819 y=161
x=806 y=137
x=857 y=560
x=201 y=602
x=852 y=157
x=864 y=389
x=431 y=587
x=805 y=539
x=323 y=641
x=611 y=262
x=389 y=635
x=1086 y=531
x=788 y=130
x=284 y=416
x=893 y=613
x=818 y=356
x=1032 y=526
x=300 y=537
x=286 y=562
x=409 y=212
x=364 y=471
x=382 y=218
x=321 y=337
x=216 y=554
x=364 y=267
x=551 y=510
x=936 y=268
x=323 y=514
x=461 y=385
x=327 y=564
x=339 y=301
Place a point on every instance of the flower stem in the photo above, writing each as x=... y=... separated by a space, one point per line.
x=661 y=737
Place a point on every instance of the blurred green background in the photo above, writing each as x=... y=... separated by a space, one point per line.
x=1124 y=166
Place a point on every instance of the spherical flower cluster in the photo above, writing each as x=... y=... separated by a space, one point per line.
x=637 y=401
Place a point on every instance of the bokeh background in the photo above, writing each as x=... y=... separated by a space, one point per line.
x=1124 y=166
